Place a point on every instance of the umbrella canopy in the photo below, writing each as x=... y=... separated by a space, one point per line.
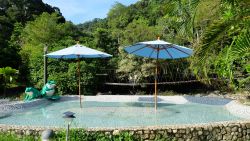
x=78 y=51
x=159 y=49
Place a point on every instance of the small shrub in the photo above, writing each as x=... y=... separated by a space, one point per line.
x=167 y=93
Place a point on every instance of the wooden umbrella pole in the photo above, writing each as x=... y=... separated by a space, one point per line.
x=79 y=82
x=156 y=72
x=156 y=77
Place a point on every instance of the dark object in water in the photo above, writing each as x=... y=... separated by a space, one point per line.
x=5 y=114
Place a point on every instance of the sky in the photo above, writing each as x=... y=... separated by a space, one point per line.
x=80 y=11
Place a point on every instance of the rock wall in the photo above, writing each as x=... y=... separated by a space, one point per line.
x=227 y=131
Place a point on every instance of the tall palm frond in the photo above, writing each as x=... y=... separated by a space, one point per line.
x=217 y=36
x=242 y=46
x=213 y=41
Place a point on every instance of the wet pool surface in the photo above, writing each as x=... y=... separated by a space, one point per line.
x=118 y=114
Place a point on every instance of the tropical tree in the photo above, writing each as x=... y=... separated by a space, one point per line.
x=44 y=31
x=217 y=30
x=12 y=12
x=130 y=66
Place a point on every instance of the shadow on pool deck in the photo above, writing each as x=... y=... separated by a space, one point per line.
x=151 y=104
x=148 y=99
x=208 y=100
x=68 y=98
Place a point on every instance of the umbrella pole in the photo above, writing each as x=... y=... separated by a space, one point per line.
x=79 y=82
x=156 y=77
x=155 y=96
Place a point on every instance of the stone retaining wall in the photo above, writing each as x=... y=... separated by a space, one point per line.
x=227 y=131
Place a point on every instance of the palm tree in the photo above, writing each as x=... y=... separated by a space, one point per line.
x=224 y=42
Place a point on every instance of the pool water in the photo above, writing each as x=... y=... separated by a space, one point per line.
x=117 y=114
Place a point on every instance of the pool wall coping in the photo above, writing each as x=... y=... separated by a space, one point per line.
x=199 y=125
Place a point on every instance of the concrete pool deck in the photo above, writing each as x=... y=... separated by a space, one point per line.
x=233 y=106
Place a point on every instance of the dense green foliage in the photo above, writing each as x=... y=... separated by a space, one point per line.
x=17 y=11
x=217 y=30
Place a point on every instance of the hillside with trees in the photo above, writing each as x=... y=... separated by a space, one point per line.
x=11 y=13
x=217 y=30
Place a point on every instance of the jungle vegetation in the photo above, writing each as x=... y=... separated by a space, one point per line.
x=217 y=30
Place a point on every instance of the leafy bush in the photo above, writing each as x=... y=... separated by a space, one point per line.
x=13 y=137
x=82 y=135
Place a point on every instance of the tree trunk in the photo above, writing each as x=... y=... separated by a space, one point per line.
x=4 y=89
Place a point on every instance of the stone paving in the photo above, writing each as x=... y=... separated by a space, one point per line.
x=238 y=109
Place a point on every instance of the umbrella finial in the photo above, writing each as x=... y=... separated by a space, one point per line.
x=158 y=38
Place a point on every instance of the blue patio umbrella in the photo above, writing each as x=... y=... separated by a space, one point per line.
x=76 y=52
x=158 y=49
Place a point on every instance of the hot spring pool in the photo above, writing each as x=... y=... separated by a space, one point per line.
x=129 y=113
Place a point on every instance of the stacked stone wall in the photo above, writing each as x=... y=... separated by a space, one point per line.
x=227 y=131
